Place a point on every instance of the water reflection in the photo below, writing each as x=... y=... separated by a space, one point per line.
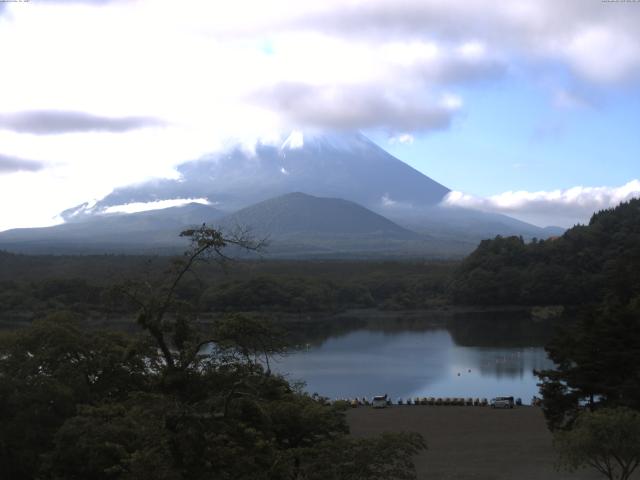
x=420 y=359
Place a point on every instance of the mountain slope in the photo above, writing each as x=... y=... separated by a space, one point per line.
x=345 y=178
x=297 y=226
x=466 y=224
x=156 y=230
x=346 y=165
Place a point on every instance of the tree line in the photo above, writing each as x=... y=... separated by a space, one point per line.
x=584 y=265
x=264 y=287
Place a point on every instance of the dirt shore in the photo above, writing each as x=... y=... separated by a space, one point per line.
x=472 y=442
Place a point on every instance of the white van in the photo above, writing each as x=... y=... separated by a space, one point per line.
x=502 y=402
x=379 y=401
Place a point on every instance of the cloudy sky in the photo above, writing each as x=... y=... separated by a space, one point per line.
x=530 y=108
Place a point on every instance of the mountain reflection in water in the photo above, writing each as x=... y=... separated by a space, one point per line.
x=477 y=357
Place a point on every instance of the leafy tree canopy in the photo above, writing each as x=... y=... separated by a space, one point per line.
x=606 y=440
x=585 y=265
x=176 y=401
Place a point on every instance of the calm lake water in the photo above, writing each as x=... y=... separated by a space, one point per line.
x=468 y=357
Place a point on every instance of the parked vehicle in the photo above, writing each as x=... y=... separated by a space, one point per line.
x=502 y=402
x=379 y=401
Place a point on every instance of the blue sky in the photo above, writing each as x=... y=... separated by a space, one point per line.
x=527 y=108
x=511 y=136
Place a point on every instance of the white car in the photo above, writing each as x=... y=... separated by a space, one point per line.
x=502 y=402
x=379 y=401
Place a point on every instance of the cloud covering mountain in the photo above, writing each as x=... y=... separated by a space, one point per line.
x=340 y=165
x=99 y=111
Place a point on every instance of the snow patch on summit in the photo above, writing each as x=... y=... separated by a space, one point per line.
x=327 y=141
x=293 y=141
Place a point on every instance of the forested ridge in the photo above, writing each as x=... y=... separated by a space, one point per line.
x=585 y=265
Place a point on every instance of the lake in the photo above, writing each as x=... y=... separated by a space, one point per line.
x=463 y=357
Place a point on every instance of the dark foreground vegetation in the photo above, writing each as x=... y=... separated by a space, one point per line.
x=175 y=402
x=190 y=393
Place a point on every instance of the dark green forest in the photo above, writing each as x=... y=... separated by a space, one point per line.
x=177 y=400
x=586 y=264
x=33 y=286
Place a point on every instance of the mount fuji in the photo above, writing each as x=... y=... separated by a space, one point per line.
x=339 y=180
x=337 y=165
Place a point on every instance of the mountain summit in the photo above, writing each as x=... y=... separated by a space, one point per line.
x=337 y=165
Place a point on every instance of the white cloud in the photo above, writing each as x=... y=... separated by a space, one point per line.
x=9 y=164
x=603 y=53
x=389 y=203
x=599 y=41
x=403 y=138
x=557 y=207
x=395 y=65
x=157 y=205
x=353 y=107
x=567 y=99
x=451 y=102
x=294 y=140
x=52 y=122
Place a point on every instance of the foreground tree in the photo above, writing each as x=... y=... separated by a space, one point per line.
x=597 y=363
x=607 y=440
x=183 y=400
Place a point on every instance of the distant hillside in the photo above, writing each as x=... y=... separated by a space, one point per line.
x=300 y=225
x=464 y=224
x=583 y=265
x=301 y=214
x=297 y=225
x=155 y=231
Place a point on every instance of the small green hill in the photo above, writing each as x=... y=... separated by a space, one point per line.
x=298 y=225
x=301 y=214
